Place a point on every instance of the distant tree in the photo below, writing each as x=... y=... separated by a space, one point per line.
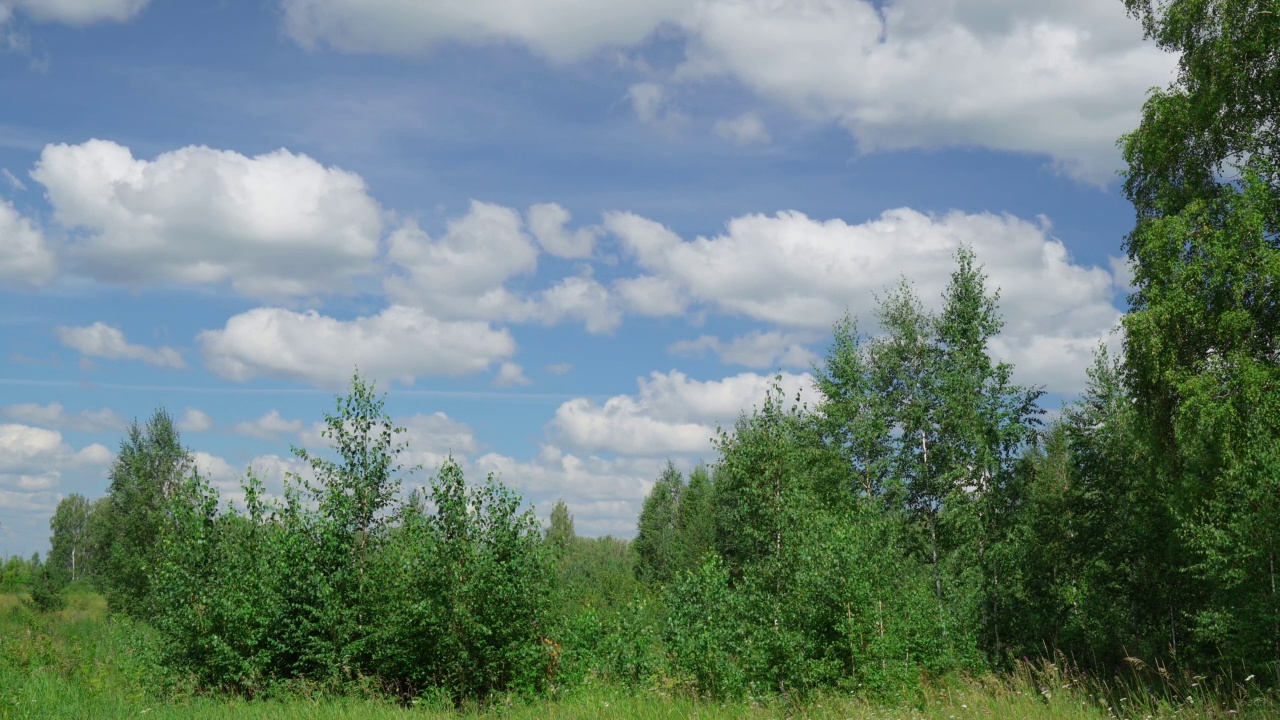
x=70 y=555
x=560 y=532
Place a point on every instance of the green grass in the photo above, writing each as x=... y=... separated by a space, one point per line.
x=80 y=663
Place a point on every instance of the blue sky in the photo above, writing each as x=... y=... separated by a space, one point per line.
x=569 y=237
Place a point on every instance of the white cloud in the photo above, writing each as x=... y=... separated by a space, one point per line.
x=580 y=298
x=652 y=296
x=76 y=12
x=36 y=465
x=100 y=340
x=509 y=375
x=268 y=427
x=604 y=494
x=54 y=416
x=670 y=415
x=462 y=274
x=399 y=343
x=1060 y=77
x=745 y=129
x=797 y=272
x=273 y=226
x=25 y=257
x=756 y=349
x=560 y=368
x=547 y=221
x=195 y=421
x=652 y=103
x=560 y=30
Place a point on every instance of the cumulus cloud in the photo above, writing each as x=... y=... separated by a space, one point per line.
x=35 y=466
x=548 y=223
x=671 y=414
x=55 y=416
x=75 y=12
x=746 y=129
x=268 y=427
x=464 y=274
x=756 y=349
x=273 y=226
x=1063 y=78
x=100 y=340
x=580 y=298
x=400 y=343
x=651 y=295
x=509 y=375
x=560 y=30
x=796 y=272
x=195 y=421
x=26 y=260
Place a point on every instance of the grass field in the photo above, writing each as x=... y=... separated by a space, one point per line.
x=80 y=663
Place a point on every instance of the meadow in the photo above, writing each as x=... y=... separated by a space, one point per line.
x=81 y=663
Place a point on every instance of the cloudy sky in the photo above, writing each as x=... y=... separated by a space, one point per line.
x=569 y=237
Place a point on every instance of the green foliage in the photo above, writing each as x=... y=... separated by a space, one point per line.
x=462 y=602
x=1218 y=115
x=15 y=574
x=340 y=584
x=71 y=553
x=147 y=470
x=46 y=591
x=656 y=546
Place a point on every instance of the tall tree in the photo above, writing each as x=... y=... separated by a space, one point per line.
x=985 y=421
x=148 y=468
x=655 y=543
x=696 y=520
x=1201 y=340
x=1203 y=352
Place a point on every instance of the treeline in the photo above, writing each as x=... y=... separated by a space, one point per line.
x=918 y=519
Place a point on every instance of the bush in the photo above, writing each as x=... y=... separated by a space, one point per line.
x=46 y=592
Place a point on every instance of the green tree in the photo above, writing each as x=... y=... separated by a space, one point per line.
x=560 y=533
x=148 y=468
x=462 y=602
x=1203 y=353
x=655 y=544
x=696 y=520
x=1200 y=353
x=70 y=556
x=1222 y=111
x=328 y=550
